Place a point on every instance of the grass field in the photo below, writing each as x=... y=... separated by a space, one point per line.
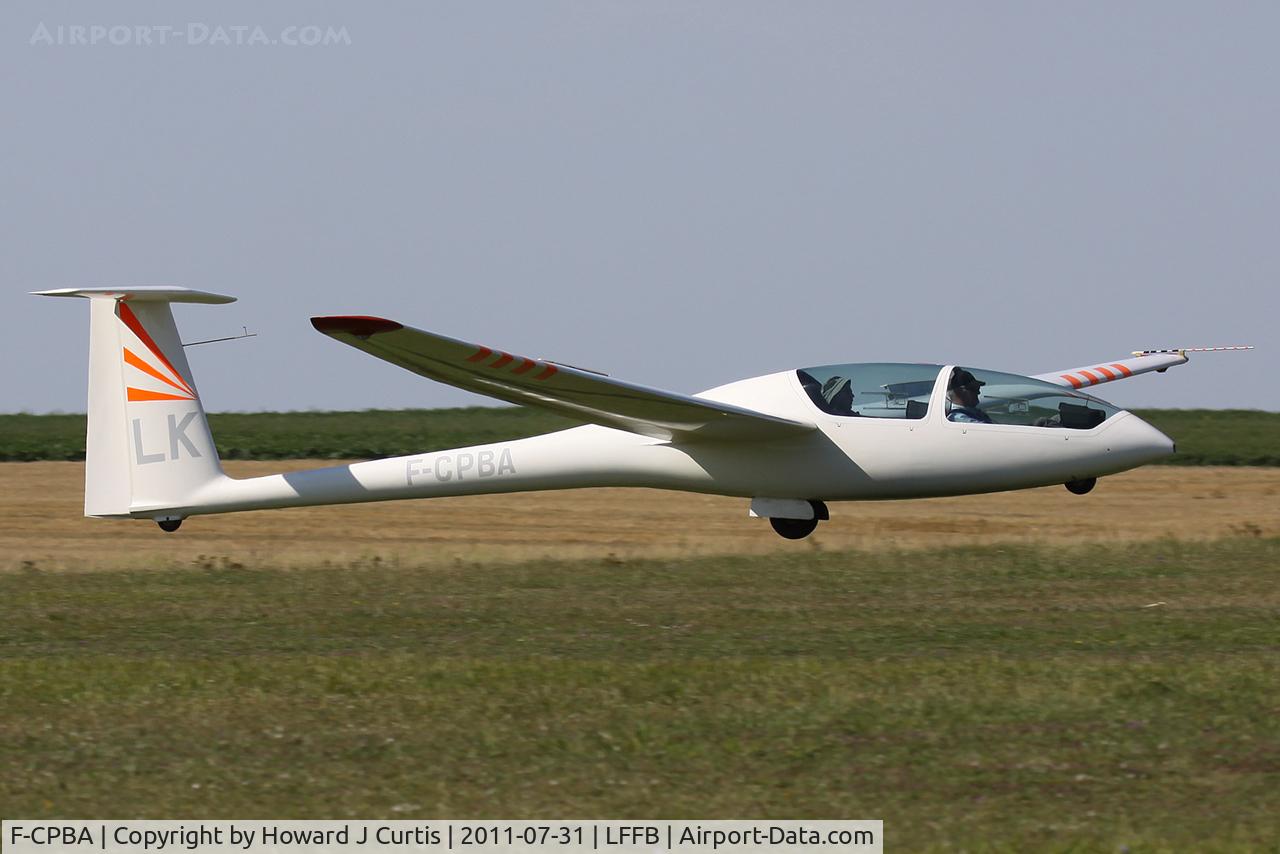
x=962 y=668
x=1006 y=697
x=41 y=522
x=1204 y=436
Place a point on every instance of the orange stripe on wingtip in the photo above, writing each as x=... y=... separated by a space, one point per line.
x=503 y=360
x=143 y=394
x=1122 y=369
x=547 y=373
x=1092 y=378
x=524 y=367
x=132 y=358
x=479 y=355
x=1105 y=372
x=1074 y=382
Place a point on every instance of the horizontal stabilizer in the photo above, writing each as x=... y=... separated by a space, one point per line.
x=142 y=293
x=580 y=394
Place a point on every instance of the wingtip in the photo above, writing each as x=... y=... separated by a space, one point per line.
x=358 y=325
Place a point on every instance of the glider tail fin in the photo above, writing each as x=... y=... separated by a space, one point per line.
x=148 y=448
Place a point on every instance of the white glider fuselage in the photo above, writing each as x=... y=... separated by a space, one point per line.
x=788 y=440
x=849 y=458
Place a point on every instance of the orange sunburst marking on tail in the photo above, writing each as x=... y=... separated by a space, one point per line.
x=133 y=359
x=131 y=320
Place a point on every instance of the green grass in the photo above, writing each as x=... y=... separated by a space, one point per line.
x=1204 y=436
x=984 y=699
x=1219 y=437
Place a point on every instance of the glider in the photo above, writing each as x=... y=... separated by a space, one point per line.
x=789 y=441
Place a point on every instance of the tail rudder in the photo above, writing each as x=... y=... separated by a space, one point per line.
x=148 y=448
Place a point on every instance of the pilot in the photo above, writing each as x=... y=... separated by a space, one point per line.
x=962 y=392
x=838 y=393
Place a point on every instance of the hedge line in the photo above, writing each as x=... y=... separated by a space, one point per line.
x=1237 y=437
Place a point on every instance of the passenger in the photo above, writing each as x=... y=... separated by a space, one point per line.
x=962 y=392
x=838 y=393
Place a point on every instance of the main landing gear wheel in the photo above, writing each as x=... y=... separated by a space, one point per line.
x=798 y=529
x=1081 y=487
x=793 y=529
x=169 y=525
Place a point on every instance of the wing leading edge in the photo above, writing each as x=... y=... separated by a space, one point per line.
x=1142 y=361
x=570 y=391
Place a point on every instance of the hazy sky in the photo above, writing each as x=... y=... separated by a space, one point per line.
x=679 y=194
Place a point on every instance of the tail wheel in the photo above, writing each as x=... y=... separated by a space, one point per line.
x=793 y=529
x=1081 y=487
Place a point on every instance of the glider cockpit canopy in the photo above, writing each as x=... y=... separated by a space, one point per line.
x=903 y=390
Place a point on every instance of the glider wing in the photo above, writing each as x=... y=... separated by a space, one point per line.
x=1142 y=361
x=580 y=394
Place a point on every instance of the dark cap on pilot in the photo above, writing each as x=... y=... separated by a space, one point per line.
x=834 y=386
x=960 y=378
